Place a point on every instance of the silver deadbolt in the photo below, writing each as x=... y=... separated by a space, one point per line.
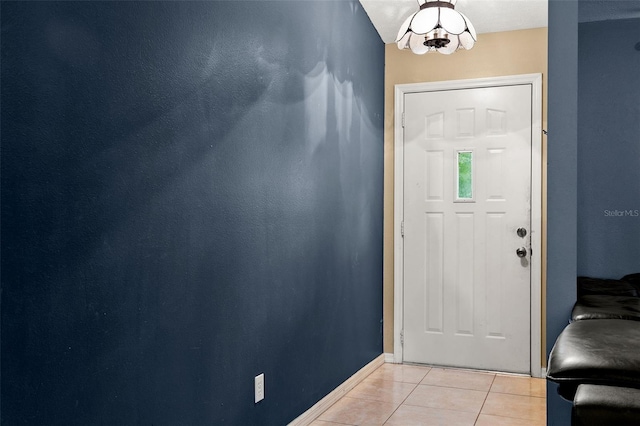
x=521 y=252
x=521 y=232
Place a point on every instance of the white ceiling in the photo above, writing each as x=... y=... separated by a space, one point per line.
x=487 y=16
x=490 y=16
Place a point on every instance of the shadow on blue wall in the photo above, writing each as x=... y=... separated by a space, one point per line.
x=191 y=196
x=609 y=149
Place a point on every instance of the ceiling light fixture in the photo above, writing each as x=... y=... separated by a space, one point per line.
x=436 y=26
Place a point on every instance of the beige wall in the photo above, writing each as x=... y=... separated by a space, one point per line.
x=495 y=54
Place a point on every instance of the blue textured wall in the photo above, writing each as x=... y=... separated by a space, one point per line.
x=594 y=160
x=562 y=167
x=191 y=196
x=609 y=153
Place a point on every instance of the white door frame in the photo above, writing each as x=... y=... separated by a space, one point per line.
x=535 y=80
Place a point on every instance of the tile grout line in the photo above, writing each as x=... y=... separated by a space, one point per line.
x=485 y=398
x=400 y=405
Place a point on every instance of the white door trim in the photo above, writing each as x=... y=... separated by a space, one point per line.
x=536 y=200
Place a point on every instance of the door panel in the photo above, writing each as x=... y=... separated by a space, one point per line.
x=467 y=188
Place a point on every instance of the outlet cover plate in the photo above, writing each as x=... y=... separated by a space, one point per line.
x=259 y=388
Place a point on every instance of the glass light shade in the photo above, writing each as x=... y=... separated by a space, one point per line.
x=416 y=44
x=452 y=21
x=425 y=20
x=471 y=29
x=436 y=26
x=453 y=45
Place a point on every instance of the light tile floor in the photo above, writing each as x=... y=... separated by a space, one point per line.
x=406 y=395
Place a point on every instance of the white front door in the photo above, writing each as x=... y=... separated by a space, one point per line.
x=467 y=192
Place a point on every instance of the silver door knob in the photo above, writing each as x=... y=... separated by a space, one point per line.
x=521 y=252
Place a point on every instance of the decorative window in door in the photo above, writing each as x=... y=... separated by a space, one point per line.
x=464 y=176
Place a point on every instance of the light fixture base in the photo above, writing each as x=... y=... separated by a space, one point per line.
x=436 y=39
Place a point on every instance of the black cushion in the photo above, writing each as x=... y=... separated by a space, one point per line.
x=633 y=279
x=590 y=286
x=606 y=307
x=605 y=405
x=596 y=352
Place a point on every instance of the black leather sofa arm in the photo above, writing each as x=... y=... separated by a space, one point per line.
x=605 y=352
x=596 y=405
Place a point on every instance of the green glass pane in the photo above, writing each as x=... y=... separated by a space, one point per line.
x=464 y=175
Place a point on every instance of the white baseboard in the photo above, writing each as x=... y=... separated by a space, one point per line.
x=389 y=358
x=321 y=406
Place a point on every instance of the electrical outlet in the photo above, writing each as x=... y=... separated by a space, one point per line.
x=259 y=388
